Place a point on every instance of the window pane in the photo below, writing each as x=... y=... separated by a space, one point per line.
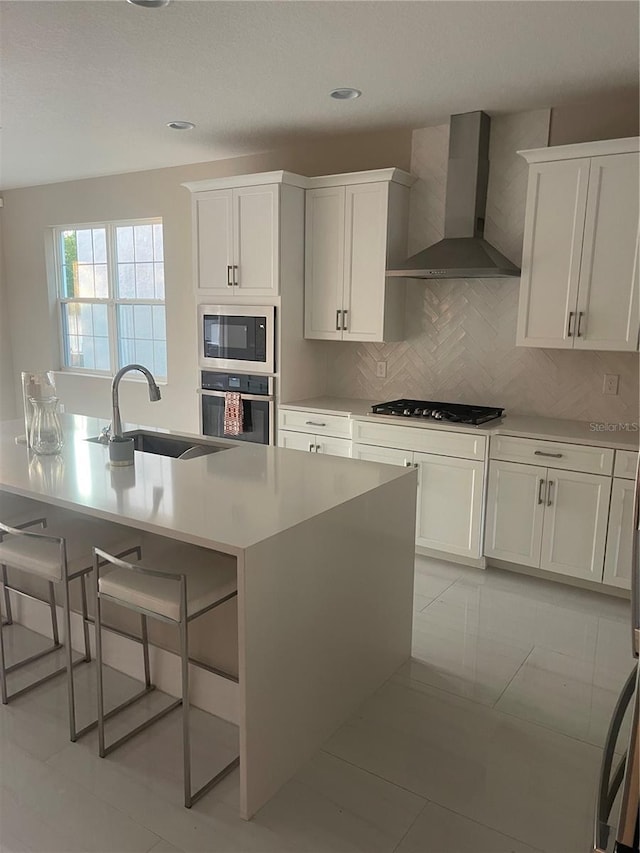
x=85 y=246
x=103 y=362
x=85 y=281
x=143 y=323
x=159 y=358
x=102 y=286
x=144 y=354
x=143 y=241
x=159 y=277
x=124 y=243
x=144 y=281
x=125 y=321
x=99 y=246
x=126 y=281
x=127 y=351
x=158 y=243
x=100 y=322
x=159 y=323
x=85 y=320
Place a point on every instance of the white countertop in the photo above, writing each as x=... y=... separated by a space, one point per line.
x=523 y=426
x=227 y=501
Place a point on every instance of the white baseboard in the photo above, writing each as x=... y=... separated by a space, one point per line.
x=208 y=691
x=479 y=563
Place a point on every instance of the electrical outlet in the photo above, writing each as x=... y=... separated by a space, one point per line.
x=610 y=384
x=381 y=369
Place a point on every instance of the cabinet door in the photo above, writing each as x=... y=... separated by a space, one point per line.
x=618 y=557
x=365 y=261
x=515 y=510
x=297 y=440
x=386 y=455
x=449 y=504
x=214 y=240
x=574 y=530
x=333 y=446
x=554 y=227
x=324 y=263
x=256 y=240
x=608 y=317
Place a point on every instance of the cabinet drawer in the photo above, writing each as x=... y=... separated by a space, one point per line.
x=554 y=454
x=315 y=422
x=439 y=441
x=386 y=455
x=626 y=462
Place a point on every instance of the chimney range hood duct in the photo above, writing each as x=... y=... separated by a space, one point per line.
x=463 y=253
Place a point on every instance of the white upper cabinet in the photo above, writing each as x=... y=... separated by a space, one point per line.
x=355 y=226
x=238 y=224
x=579 y=286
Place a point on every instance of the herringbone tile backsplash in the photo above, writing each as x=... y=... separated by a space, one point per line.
x=460 y=334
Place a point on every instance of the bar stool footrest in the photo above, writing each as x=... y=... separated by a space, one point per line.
x=142 y=726
x=44 y=678
x=213 y=781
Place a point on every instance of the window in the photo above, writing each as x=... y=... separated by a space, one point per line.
x=110 y=283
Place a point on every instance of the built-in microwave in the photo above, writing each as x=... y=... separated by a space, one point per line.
x=237 y=337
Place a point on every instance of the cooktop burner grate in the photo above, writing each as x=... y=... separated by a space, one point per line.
x=450 y=412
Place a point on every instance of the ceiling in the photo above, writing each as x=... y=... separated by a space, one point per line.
x=87 y=86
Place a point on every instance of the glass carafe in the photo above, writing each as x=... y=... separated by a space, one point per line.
x=46 y=432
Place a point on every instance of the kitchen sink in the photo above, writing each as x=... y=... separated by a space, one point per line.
x=178 y=447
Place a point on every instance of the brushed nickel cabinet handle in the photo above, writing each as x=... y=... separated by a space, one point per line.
x=571 y=316
x=338 y=313
x=311 y=446
x=315 y=423
x=236 y=275
x=549 y=492
x=580 y=316
x=407 y=464
x=229 y=282
x=551 y=455
x=344 y=321
x=540 y=498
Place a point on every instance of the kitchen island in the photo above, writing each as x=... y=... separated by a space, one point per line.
x=324 y=549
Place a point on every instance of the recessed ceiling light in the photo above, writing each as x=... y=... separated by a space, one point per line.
x=150 y=4
x=346 y=94
x=181 y=125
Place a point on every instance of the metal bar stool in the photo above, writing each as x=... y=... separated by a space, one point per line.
x=174 y=597
x=58 y=557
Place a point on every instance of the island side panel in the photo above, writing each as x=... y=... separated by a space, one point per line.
x=325 y=617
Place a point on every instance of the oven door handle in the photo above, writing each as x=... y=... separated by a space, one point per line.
x=267 y=398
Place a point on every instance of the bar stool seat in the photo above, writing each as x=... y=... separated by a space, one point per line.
x=41 y=556
x=206 y=585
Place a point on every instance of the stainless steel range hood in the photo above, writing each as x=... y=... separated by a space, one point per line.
x=463 y=253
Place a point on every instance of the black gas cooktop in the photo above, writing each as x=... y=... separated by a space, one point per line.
x=457 y=413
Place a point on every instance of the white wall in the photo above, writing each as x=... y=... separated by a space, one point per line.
x=28 y=213
x=7 y=384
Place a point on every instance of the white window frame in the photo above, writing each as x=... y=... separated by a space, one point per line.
x=111 y=301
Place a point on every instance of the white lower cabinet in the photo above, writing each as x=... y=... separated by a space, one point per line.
x=617 y=560
x=314 y=443
x=547 y=518
x=449 y=514
x=515 y=509
x=574 y=532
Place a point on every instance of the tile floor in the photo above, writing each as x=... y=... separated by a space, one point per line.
x=487 y=741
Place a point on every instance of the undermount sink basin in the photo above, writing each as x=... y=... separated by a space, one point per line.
x=177 y=447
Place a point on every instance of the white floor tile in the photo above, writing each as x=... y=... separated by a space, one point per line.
x=519 y=779
x=458 y=659
x=439 y=830
x=566 y=694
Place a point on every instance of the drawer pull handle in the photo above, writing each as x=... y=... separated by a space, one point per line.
x=540 y=498
x=407 y=464
x=551 y=455
x=338 y=313
x=229 y=282
x=549 y=492
x=344 y=320
x=579 y=331
x=315 y=423
x=571 y=316
x=311 y=446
